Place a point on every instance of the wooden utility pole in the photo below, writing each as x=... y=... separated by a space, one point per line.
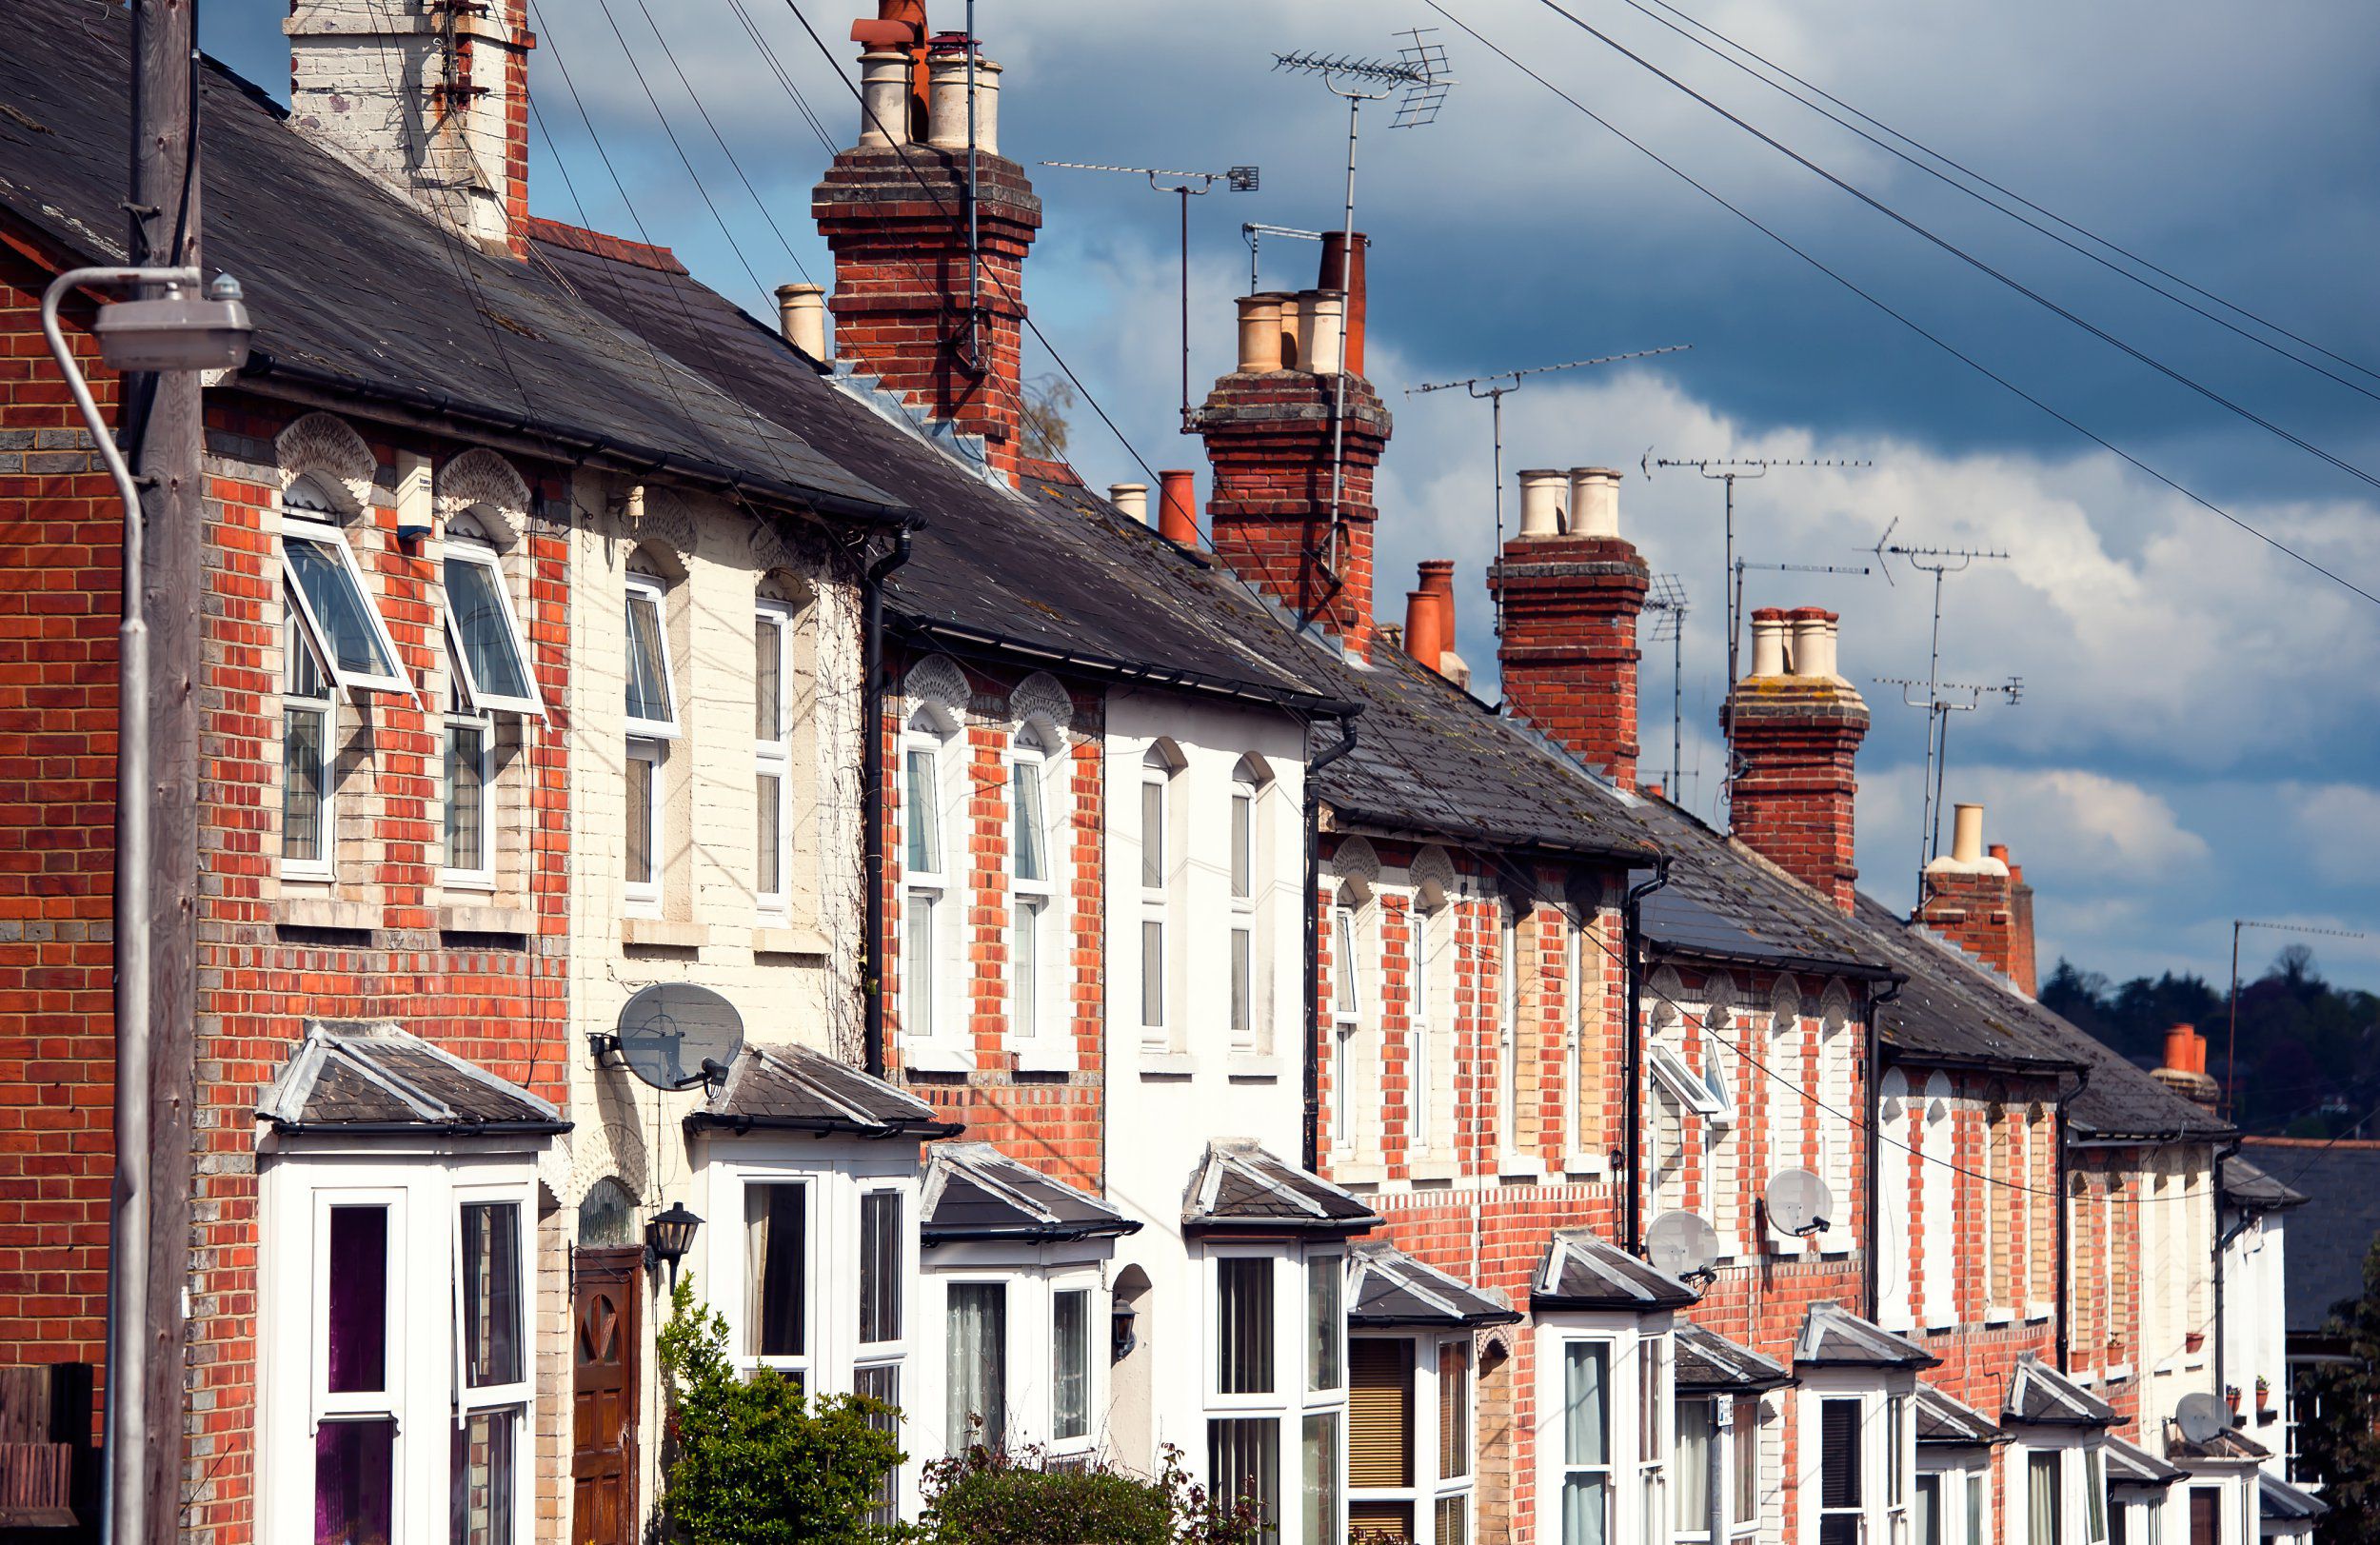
x=161 y=413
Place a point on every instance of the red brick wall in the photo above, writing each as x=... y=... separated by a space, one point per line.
x=897 y=225
x=1974 y=911
x=1793 y=801
x=1569 y=650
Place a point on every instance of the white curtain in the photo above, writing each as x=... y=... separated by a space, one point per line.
x=977 y=1404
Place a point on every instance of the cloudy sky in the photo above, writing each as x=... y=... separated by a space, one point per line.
x=2196 y=739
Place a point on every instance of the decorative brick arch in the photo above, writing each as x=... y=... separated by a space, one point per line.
x=1358 y=865
x=936 y=683
x=327 y=448
x=1784 y=1006
x=1433 y=876
x=665 y=523
x=482 y=480
x=1038 y=696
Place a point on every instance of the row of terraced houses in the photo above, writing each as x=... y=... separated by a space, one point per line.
x=1177 y=1013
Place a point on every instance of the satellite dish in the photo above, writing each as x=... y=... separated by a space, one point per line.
x=1681 y=1243
x=674 y=1035
x=1798 y=1202
x=2201 y=1417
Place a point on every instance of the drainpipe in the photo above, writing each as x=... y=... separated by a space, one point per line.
x=2222 y=1243
x=1632 y=968
x=1313 y=1016
x=872 y=795
x=2065 y=1234
x=1870 y=1289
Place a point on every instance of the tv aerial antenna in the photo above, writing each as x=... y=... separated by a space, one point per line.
x=1186 y=186
x=1493 y=390
x=1253 y=233
x=1666 y=601
x=1941 y=563
x=2230 y=1049
x=1729 y=470
x=1418 y=78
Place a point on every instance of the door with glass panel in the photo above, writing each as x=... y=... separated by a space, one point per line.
x=607 y=1290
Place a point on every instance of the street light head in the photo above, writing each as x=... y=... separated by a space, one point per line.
x=177 y=331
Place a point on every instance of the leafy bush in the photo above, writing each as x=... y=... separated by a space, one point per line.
x=1025 y=1497
x=752 y=1462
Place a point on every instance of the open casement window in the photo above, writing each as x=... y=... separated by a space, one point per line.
x=485 y=639
x=1685 y=1085
x=777 y=1276
x=334 y=603
x=1036 y=924
x=1158 y=924
x=975 y=1389
x=772 y=752
x=1586 y=1443
x=652 y=700
x=309 y=717
x=470 y=759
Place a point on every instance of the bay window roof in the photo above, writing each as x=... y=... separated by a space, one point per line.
x=2281 y=1502
x=368 y=1077
x=1832 y=1337
x=2131 y=1465
x=796 y=1089
x=2041 y=1396
x=1242 y=1187
x=1582 y=1270
x=1708 y=1363
x=1943 y=1422
x=973 y=1191
x=1390 y=1290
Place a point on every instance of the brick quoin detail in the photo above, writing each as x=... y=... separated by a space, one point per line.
x=1796 y=738
x=1268 y=436
x=1568 y=651
x=896 y=222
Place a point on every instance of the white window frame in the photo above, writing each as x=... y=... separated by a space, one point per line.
x=1682 y=1084
x=465 y=711
x=1018 y=1305
x=1509 y=920
x=1250 y=999
x=1421 y=925
x=1636 y=1350
x=296 y=635
x=470 y=551
x=644 y=895
x=942 y=1044
x=518 y=1397
x=1348 y=1001
x=774 y=758
x=320 y=532
x=1574 y=1044
x=647 y=591
x=1157 y=904
x=805 y=1365
x=1037 y=1013
x=1094 y=1344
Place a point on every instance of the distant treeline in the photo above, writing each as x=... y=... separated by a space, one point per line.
x=2308 y=1052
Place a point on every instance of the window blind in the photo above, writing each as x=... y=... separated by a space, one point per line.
x=1379 y=1413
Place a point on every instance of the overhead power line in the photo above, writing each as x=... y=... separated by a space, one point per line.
x=1962 y=254
x=1903 y=318
x=1964 y=172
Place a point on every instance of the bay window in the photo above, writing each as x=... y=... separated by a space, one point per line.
x=777 y=1276
x=2045 y=1518
x=492 y=1407
x=1652 y=1425
x=1841 y=1493
x=1243 y=1464
x=975 y=1390
x=1070 y=1364
x=1586 y=1443
x=1409 y=1440
x=1243 y=1325
x=772 y=753
x=884 y=1271
x=1319 y=1458
x=1451 y=1512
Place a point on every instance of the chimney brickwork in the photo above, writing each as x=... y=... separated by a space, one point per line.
x=1571 y=600
x=895 y=216
x=431 y=100
x=1979 y=900
x=1796 y=734
x=1268 y=430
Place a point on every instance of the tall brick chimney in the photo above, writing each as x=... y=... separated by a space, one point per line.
x=431 y=99
x=1572 y=589
x=1268 y=431
x=894 y=210
x=1798 y=728
x=1971 y=898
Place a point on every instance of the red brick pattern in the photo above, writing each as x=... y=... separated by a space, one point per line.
x=1796 y=738
x=1569 y=648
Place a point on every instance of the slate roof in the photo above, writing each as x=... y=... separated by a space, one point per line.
x=973 y=1191
x=1387 y=1288
x=796 y=1089
x=1242 y=1187
x=357 y=1076
x=1047 y=572
x=2280 y=1502
x=2326 y=1243
x=1832 y=1337
x=2250 y=1189
x=354 y=290
x=2129 y=1464
x=2229 y=1445
x=1708 y=1363
x=1947 y=1423
x=1581 y=1270
x=1724 y=900
x=2041 y=1396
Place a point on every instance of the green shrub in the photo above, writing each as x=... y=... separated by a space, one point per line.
x=752 y=1462
x=1024 y=1497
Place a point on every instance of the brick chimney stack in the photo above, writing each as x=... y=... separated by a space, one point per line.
x=1798 y=728
x=1971 y=898
x=433 y=100
x=1268 y=431
x=893 y=210
x=1572 y=589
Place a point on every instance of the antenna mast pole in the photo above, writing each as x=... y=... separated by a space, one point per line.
x=2230 y=1049
x=1668 y=599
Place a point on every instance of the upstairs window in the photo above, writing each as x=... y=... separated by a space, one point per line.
x=1421 y=1030
x=470 y=742
x=487 y=648
x=772 y=751
x=929 y=922
x=1348 y=1000
x=652 y=703
x=1250 y=997
x=333 y=601
x=1508 y=1029
x=308 y=717
x=1157 y=899
x=1036 y=942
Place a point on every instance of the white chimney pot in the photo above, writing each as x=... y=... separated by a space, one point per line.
x=1814 y=647
x=1132 y=498
x=1541 y=502
x=1325 y=334
x=885 y=101
x=802 y=315
x=1966 y=856
x=1594 y=502
x=946 y=102
x=1768 y=645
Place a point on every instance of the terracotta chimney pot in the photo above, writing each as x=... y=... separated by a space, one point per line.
x=1261 y=335
x=1178 y=507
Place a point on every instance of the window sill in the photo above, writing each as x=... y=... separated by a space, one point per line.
x=1433 y=1169
x=660 y=933
x=1520 y=1167
x=2121 y=1372
x=1043 y=1054
x=2000 y=1317
x=2036 y=1312
x=1248 y=1066
x=484 y=917
x=1168 y=1065
x=926 y=1054
x=781 y=941
x=326 y=912
x=1369 y=1173
x=1583 y=1166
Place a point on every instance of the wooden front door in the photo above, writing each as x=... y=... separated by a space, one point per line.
x=606 y=1337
